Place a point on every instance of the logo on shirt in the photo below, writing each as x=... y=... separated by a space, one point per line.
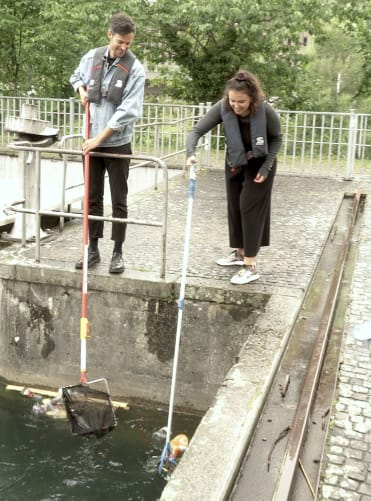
x=260 y=141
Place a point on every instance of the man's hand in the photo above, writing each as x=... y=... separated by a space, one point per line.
x=90 y=144
x=94 y=142
x=83 y=95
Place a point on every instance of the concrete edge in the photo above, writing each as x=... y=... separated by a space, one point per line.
x=132 y=282
x=209 y=467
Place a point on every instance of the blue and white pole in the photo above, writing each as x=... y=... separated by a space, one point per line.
x=167 y=460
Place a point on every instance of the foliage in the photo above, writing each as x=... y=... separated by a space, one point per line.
x=193 y=47
x=354 y=18
x=333 y=72
x=204 y=43
x=19 y=26
x=339 y=70
x=43 y=40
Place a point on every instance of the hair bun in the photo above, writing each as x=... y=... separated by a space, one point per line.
x=240 y=77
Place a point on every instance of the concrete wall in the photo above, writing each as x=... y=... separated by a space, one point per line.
x=133 y=325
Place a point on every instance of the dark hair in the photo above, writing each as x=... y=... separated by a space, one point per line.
x=246 y=82
x=122 y=24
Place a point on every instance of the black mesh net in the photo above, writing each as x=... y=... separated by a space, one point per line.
x=89 y=411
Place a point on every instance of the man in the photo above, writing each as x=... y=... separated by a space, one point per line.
x=112 y=80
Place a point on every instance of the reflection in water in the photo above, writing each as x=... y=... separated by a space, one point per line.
x=41 y=460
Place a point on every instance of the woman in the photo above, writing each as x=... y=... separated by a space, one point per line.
x=253 y=138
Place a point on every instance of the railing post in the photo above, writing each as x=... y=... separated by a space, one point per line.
x=72 y=116
x=349 y=171
x=27 y=227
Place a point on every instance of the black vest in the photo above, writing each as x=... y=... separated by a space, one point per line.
x=258 y=126
x=118 y=81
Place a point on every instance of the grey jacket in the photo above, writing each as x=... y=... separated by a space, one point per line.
x=121 y=117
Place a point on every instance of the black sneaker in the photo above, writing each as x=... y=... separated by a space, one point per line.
x=93 y=258
x=117 y=263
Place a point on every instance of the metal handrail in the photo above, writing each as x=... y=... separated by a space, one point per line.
x=61 y=143
x=38 y=213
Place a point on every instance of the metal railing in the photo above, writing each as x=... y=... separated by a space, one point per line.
x=314 y=143
x=38 y=213
x=330 y=144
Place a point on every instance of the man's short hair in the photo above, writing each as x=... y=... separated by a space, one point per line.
x=122 y=24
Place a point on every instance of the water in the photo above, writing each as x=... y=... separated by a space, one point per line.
x=40 y=460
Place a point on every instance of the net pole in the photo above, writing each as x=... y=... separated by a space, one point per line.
x=84 y=324
x=192 y=186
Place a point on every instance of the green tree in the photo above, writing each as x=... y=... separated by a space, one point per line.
x=340 y=61
x=195 y=46
x=19 y=26
x=354 y=19
x=335 y=72
x=203 y=43
x=42 y=41
x=62 y=41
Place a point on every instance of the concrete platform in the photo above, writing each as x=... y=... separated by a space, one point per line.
x=303 y=210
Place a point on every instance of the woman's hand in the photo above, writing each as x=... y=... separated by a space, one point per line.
x=259 y=178
x=190 y=160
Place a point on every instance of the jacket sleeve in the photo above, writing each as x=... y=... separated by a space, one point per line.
x=212 y=118
x=80 y=77
x=274 y=140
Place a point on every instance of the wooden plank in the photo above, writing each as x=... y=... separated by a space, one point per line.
x=53 y=393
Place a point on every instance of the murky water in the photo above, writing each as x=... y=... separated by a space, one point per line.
x=41 y=460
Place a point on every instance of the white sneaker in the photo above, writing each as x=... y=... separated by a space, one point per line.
x=246 y=274
x=234 y=259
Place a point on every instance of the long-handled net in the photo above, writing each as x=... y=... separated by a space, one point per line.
x=90 y=411
x=168 y=460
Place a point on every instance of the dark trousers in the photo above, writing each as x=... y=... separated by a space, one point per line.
x=118 y=173
x=249 y=208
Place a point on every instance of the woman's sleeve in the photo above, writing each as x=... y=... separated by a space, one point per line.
x=274 y=139
x=207 y=122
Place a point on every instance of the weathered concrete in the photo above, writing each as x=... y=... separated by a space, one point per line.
x=216 y=334
x=208 y=468
x=133 y=321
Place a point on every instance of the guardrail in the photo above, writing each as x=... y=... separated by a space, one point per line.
x=37 y=212
x=314 y=143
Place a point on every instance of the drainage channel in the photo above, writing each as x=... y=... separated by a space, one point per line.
x=284 y=457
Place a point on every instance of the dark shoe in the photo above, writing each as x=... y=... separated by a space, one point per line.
x=117 y=263
x=93 y=258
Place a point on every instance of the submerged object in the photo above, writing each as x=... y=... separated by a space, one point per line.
x=51 y=407
x=26 y=392
x=178 y=445
x=174 y=451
